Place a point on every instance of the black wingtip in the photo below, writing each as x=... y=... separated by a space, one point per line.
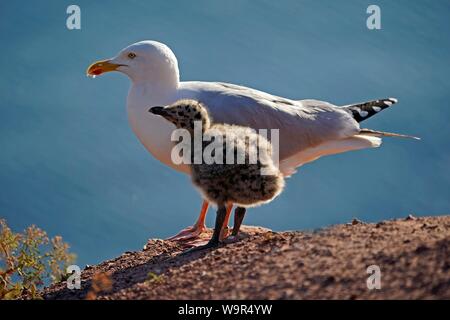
x=365 y=110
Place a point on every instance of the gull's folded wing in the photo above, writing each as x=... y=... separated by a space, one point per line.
x=303 y=124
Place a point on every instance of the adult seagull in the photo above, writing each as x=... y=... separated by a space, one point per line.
x=308 y=129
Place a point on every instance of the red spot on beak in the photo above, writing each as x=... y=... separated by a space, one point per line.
x=97 y=71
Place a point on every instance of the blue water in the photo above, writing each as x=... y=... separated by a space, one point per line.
x=70 y=164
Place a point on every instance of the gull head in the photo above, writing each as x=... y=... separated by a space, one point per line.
x=145 y=61
x=184 y=113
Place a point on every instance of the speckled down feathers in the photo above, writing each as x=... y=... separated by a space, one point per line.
x=241 y=183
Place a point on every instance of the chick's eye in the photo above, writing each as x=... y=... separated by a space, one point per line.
x=131 y=55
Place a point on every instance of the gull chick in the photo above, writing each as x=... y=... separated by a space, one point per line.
x=244 y=184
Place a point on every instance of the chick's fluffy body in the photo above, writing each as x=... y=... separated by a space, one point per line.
x=250 y=177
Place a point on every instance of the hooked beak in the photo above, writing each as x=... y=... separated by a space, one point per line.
x=99 y=67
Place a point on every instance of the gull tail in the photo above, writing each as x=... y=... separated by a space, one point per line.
x=364 y=110
x=374 y=133
x=360 y=141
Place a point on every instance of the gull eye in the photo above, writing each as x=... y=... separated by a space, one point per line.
x=131 y=55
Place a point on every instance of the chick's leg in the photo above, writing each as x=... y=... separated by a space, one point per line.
x=239 y=214
x=215 y=239
x=200 y=241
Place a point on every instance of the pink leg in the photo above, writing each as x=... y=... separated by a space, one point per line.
x=194 y=231
x=225 y=229
x=201 y=241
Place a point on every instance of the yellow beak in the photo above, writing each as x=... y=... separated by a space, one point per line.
x=99 y=67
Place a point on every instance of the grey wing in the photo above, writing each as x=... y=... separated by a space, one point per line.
x=302 y=124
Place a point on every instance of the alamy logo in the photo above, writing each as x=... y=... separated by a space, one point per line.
x=217 y=148
x=374 y=280
x=374 y=20
x=74 y=280
x=73 y=21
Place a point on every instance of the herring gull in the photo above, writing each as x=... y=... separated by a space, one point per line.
x=308 y=129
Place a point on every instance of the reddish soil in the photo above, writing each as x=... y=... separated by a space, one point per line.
x=413 y=255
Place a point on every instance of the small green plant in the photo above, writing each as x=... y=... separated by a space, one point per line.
x=153 y=277
x=28 y=260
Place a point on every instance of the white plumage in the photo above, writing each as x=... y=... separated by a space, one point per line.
x=309 y=129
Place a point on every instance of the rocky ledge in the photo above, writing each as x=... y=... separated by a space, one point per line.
x=398 y=259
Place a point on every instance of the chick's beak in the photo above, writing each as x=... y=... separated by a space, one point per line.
x=157 y=110
x=99 y=67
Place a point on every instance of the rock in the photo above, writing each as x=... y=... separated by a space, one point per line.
x=330 y=263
